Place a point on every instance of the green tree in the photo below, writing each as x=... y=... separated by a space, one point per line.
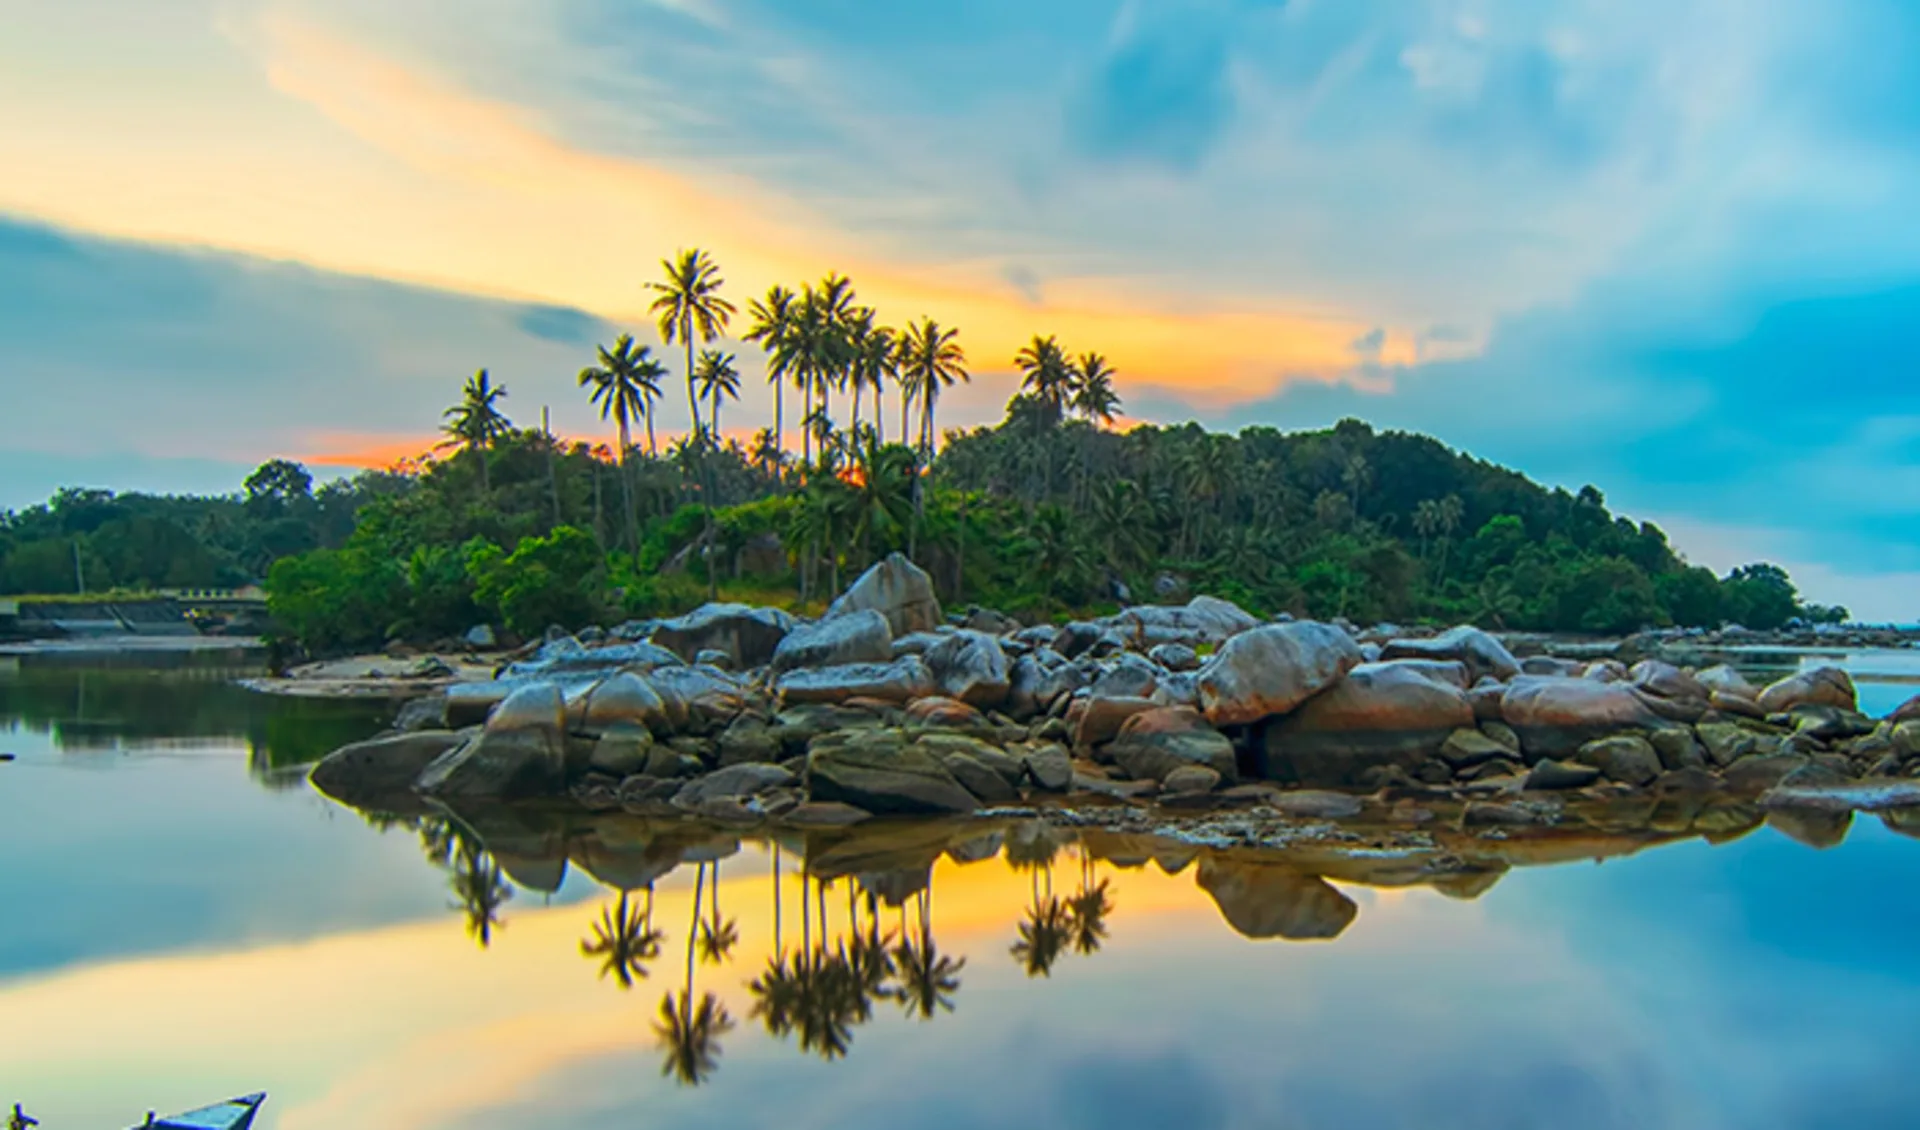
x=625 y=383
x=474 y=424
x=773 y=320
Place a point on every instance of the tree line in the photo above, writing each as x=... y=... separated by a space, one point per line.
x=1049 y=513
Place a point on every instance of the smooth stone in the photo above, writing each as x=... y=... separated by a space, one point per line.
x=1312 y=804
x=1190 y=779
x=1155 y=743
x=971 y=667
x=1627 y=758
x=979 y=779
x=1466 y=748
x=1822 y=686
x=1757 y=773
x=1051 y=768
x=899 y=590
x=886 y=780
x=1548 y=774
x=363 y=774
x=1271 y=670
x=749 y=635
x=1380 y=714
x=1556 y=716
x=733 y=782
x=856 y=637
x=1103 y=718
x=902 y=680
x=826 y=814
x=1480 y=652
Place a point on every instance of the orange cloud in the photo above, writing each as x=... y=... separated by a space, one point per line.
x=354 y=160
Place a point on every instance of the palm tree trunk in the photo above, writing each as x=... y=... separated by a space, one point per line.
x=779 y=428
x=806 y=428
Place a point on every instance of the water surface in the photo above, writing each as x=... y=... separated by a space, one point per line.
x=181 y=919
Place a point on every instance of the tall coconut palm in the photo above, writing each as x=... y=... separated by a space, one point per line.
x=625 y=383
x=719 y=380
x=1047 y=376
x=872 y=361
x=772 y=327
x=476 y=422
x=1094 y=396
x=930 y=358
x=689 y=306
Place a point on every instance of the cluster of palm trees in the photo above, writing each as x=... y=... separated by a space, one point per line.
x=822 y=342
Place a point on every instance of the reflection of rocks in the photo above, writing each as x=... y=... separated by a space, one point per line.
x=1264 y=900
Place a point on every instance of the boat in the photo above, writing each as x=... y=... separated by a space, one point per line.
x=234 y=1114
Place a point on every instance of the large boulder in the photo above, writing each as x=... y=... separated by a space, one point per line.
x=749 y=635
x=1100 y=719
x=366 y=774
x=971 y=666
x=1154 y=743
x=902 y=680
x=1664 y=680
x=1556 y=716
x=897 y=589
x=1466 y=644
x=520 y=753
x=1269 y=900
x=1271 y=670
x=881 y=774
x=857 y=637
x=1380 y=714
x=623 y=698
x=735 y=781
x=1204 y=620
x=1822 y=686
x=1722 y=679
x=1627 y=758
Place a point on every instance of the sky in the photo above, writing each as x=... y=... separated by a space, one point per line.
x=1664 y=248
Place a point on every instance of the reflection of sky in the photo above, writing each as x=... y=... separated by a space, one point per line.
x=281 y=943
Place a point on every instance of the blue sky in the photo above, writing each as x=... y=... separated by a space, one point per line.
x=1663 y=248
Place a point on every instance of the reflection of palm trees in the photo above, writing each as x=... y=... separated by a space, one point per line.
x=624 y=940
x=690 y=1034
x=1044 y=933
x=480 y=890
x=928 y=978
x=717 y=936
x=1089 y=909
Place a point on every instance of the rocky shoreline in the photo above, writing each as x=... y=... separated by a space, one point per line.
x=882 y=708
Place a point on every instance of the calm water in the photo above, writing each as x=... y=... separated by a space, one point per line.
x=181 y=919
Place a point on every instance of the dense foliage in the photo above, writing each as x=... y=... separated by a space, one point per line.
x=1049 y=513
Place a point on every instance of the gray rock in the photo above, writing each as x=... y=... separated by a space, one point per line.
x=826 y=814
x=714 y=657
x=989 y=621
x=855 y=637
x=622 y=750
x=1725 y=680
x=1380 y=714
x=366 y=774
x=1482 y=654
x=1725 y=742
x=521 y=752
x=899 y=590
x=885 y=779
x=979 y=779
x=1676 y=748
x=1190 y=779
x=468 y=704
x=1204 y=620
x=750 y=739
x=1174 y=657
x=1314 y=804
x=1822 y=686
x=1555 y=716
x=902 y=680
x=1178 y=689
x=1271 y=670
x=428 y=712
x=1667 y=681
x=1452 y=672
x=1756 y=773
x=1549 y=774
x=1154 y=743
x=1011 y=768
x=1076 y=639
x=971 y=667
x=481 y=636
x=622 y=698
x=1130 y=676
x=1627 y=758
x=734 y=782
x=1103 y=717
x=1051 y=768
x=748 y=634
x=916 y=643
x=1466 y=748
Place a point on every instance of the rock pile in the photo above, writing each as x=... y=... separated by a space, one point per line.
x=884 y=708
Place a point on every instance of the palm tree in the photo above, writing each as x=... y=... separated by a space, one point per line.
x=689 y=306
x=718 y=380
x=625 y=383
x=1094 y=395
x=884 y=491
x=476 y=422
x=930 y=358
x=624 y=941
x=873 y=360
x=1048 y=376
x=772 y=327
